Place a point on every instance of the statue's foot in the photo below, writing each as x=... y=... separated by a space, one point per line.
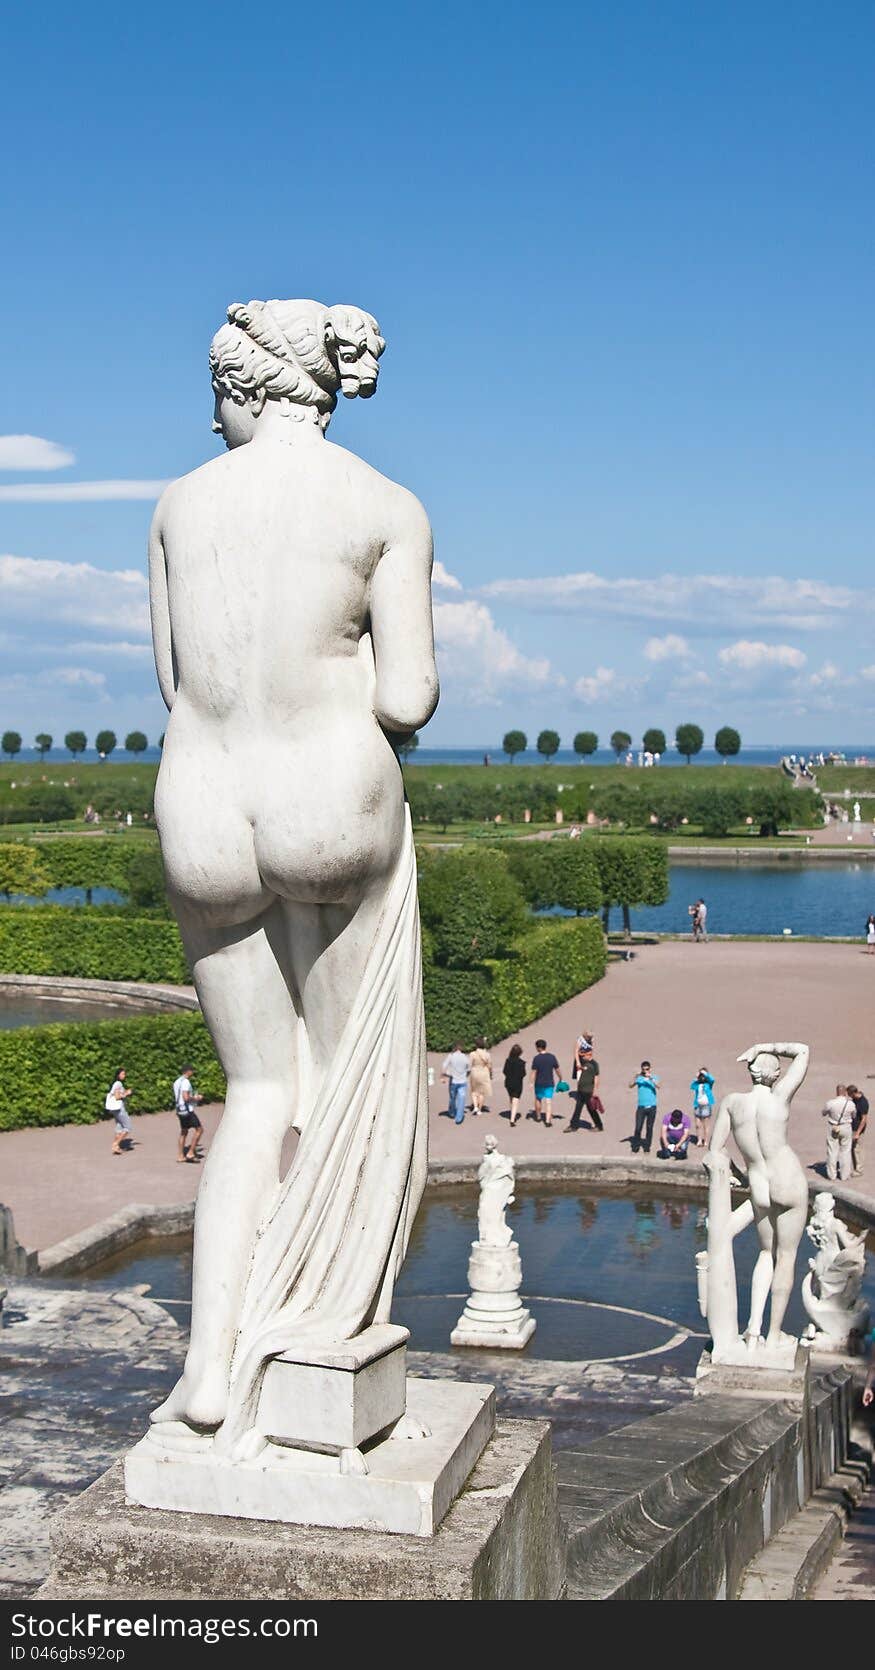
x=776 y=1340
x=409 y=1427
x=199 y=1399
x=352 y=1461
x=753 y=1342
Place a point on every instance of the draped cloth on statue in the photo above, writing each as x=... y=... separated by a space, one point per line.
x=329 y=1250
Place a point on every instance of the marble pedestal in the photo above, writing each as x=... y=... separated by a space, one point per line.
x=402 y=1484
x=494 y=1315
x=501 y=1540
x=747 y=1378
x=336 y=1398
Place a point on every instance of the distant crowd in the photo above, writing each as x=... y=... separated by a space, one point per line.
x=470 y=1078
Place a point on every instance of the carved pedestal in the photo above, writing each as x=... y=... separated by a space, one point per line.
x=494 y=1315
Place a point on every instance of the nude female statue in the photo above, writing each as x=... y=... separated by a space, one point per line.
x=759 y=1120
x=496 y=1179
x=291 y=617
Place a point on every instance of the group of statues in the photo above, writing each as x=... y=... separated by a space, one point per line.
x=777 y=1206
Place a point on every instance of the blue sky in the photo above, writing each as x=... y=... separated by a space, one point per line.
x=622 y=255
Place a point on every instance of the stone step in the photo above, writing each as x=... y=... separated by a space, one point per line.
x=791 y=1564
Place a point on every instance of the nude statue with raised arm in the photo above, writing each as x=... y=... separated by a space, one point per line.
x=758 y=1120
x=292 y=624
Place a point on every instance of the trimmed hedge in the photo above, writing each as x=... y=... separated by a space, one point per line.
x=91 y=860
x=553 y=962
x=49 y=939
x=59 y=1075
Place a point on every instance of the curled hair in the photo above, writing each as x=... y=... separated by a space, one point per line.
x=298 y=351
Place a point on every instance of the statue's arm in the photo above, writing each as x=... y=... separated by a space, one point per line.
x=796 y=1054
x=160 y=610
x=401 y=622
x=722 y=1127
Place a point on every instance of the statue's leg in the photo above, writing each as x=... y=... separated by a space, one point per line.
x=327 y=948
x=763 y=1271
x=789 y=1226
x=251 y=1014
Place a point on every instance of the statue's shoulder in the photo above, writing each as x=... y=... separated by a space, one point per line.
x=189 y=487
x=397 y=503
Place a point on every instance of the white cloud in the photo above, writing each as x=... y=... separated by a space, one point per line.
x=79 y=492
x=75 y=678
x=713 y=602
x=41 y=590
x=603 y=685
x=476 y=659
x=31 y=452
x=111 y=650
x=867 y=672
x=443 y=580
x=670 y=648
x=752 y=655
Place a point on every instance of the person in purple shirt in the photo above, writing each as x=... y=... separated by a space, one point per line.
x=676 y=1129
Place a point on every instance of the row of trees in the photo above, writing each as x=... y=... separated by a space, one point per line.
x=475 y=902
x=689 y=741
x=106 y=742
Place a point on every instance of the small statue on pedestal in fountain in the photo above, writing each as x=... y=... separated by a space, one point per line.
x=831 y=1289
x=494 y=1314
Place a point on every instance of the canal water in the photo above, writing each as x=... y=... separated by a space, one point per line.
x=820 y=899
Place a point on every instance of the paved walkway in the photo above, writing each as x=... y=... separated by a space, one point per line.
x=680 y=1005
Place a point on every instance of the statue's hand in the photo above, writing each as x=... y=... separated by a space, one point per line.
x=754 y=1051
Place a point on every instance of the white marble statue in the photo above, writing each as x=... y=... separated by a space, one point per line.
x=291 y=616
x=758 y=1120
x=831 y=1287
x=496 y=1179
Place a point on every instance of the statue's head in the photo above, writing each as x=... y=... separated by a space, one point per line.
x=297 y=353
x=765 y=1068
x=490 y=1144
x=824 y=1205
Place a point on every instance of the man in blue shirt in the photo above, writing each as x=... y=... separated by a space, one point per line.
x=645 y=1083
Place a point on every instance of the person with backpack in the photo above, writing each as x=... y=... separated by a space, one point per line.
x=702 y=1088
x=190 y=1128
x=114 y=1103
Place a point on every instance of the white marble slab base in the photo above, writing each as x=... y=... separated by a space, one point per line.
x=336 y=1397
x=495 y=1339
x=410 y=1484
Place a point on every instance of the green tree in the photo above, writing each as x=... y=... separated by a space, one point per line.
x=136 y=742
x=11 y=744
x=654 y=741
x=585 y=743
x=21 y=871
x=727 y=742
x=515 y=742
x=556 y=874
x=620 y=742
x=43 y=743
x=76 y=741
x=470 y=904
x=407 y=745
x=548 y=744
x=689 y=740
x=632 y=871
x=105 y=742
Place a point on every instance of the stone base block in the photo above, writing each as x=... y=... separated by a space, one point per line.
x=751 y=1379
x=504 y=1335
x=400 y=1484
x=336 y=1397
x=501 y=1540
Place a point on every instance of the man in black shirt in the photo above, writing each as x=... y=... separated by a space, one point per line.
x=587 y=1088
x=545 y=1071
x=858 y=1125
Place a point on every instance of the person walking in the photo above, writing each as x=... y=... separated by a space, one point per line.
x=586 y=1095
x=114 y=1103
x=646 y=1083
x=858 y=1126
x=839 y=1115
x=514 y=1079
x=186 y=1104
x=455 y=1070
x=870 y=935
x=702 y=1087
x=480 y=1082
x=677 y=1128
x=545 y=1071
